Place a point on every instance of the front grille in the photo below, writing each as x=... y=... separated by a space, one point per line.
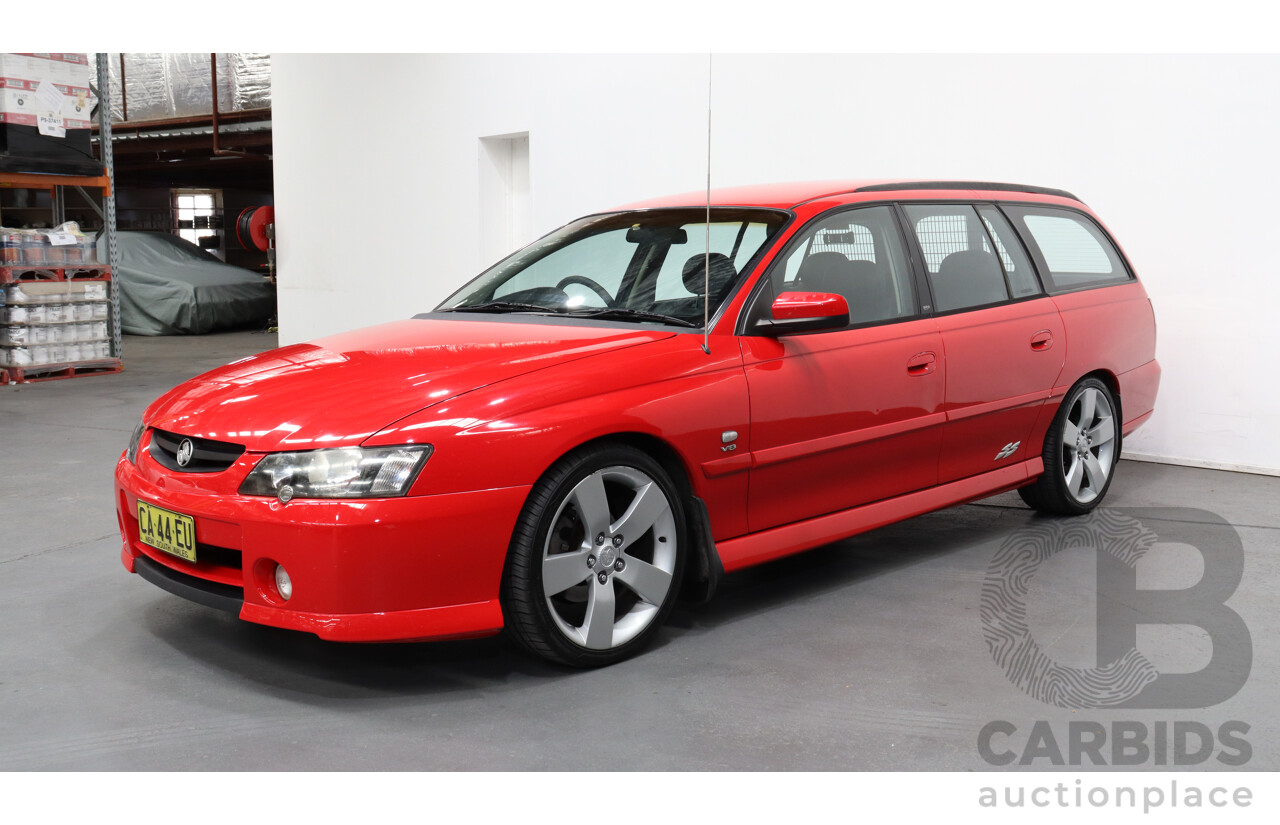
x=207 y=456
x=207 y=556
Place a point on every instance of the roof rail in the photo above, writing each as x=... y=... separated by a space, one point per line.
x=965 y=184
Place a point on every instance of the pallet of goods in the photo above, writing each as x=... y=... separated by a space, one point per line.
x=55 y=306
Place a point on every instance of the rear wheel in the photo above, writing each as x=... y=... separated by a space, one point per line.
x=596 y=559
x=1080 y=452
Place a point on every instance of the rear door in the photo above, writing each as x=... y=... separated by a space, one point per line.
x=844 y=417
x=1003 y=337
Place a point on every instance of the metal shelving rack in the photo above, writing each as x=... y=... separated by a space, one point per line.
x=56 y=185
x=108 y=195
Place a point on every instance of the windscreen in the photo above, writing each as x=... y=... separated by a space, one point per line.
x=644 y=266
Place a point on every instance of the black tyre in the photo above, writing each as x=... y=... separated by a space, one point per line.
x=596 y=559
x=1080 y=452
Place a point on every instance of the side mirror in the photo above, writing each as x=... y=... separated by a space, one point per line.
x=805 y=312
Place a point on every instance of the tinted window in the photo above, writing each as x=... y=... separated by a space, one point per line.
x=1071 y=250
x=857 y=254
x=964 y=268
x=1017 y=267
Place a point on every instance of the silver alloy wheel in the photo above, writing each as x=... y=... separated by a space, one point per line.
x=1088 y=445
x=616 y=525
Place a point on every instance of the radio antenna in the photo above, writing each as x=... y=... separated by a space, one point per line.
x=706 y=261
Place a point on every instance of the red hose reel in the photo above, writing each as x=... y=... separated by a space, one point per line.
x=251 y=227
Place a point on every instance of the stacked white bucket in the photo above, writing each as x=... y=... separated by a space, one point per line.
x=53 y=323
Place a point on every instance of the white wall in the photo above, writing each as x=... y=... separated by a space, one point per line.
x=398 y=138
x=1175 y=153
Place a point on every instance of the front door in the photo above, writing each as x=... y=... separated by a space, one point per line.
x=844 y=417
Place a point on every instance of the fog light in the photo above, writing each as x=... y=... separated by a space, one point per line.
x=283 y=583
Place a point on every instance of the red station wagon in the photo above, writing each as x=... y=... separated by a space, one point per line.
x=644 y=400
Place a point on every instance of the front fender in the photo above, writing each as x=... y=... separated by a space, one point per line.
x=509 y=434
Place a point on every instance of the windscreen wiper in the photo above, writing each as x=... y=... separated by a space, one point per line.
x=625 y=314
x=500 y=306
x=606 y=313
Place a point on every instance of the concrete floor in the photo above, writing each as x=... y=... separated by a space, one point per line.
x=866 y=654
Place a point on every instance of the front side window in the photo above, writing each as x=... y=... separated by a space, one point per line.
x=857 y=254
x=1073 y=252
x=652 y=265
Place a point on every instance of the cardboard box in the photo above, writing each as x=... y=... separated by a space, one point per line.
x=21 y=76
x=24 y=146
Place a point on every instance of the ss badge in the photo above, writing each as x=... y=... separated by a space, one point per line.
x=1008 y=450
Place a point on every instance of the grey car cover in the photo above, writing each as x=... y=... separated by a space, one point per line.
x=169 y=286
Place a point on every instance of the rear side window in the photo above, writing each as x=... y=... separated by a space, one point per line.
x=1071 y=251
x=963 y=261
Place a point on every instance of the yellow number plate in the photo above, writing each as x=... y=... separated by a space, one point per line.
x=164 y=530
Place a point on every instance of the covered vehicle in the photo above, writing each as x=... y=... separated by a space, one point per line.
x=170 y=286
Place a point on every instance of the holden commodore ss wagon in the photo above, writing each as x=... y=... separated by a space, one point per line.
x=646 y=399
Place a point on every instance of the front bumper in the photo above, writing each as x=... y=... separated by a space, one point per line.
x=401 y=569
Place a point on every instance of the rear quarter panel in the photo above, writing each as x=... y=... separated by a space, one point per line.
x=1109 y=330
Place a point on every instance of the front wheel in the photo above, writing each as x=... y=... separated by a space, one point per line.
x=596 y=558
x=1080 y=452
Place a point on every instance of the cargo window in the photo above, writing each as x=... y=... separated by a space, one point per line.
x=1017 y=266
x=1071 y=250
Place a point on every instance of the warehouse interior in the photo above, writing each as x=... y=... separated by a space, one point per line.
x=355 y=202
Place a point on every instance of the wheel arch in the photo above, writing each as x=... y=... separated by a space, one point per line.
x=1046 y=491
x=1050 y=410
x=1109 y=378
x=703 y=568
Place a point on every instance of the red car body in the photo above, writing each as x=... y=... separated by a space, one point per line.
x=838 y=432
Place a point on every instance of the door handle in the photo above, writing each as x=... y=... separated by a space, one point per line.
x=1042 y=340
x=922 y=363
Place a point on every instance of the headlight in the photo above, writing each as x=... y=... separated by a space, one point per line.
x=348 y=472
x=134 y=441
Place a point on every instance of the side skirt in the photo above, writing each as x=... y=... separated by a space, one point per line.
x=777 y=542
